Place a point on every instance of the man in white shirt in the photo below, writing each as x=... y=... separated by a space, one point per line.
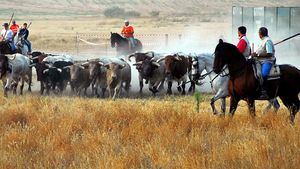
x=8 y=35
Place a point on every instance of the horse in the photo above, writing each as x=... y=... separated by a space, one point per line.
x=219 y=83
x=122 y=45
x=5 y=48
x=21 y=44
x=244 y=86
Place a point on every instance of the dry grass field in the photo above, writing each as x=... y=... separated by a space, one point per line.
x=63 y=132
x=163 y=132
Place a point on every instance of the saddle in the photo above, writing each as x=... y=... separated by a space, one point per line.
x=273 y=75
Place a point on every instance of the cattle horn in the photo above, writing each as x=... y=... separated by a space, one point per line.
x=59 y=69
x=130 y=56
x=45 y=71
x=33 y=58
x=11 y=57
x=161 y=59
x=85 y=64
x=177 y=57
x=138 y=63
x=101 y=63
x=155 y=64
x=152 y=54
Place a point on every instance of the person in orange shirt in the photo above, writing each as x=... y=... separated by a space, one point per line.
x=128 y=32
x=14 y=27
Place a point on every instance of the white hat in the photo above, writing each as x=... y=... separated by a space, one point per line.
x=126 y=21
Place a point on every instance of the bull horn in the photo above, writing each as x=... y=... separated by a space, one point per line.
x=81 y=67
x=101 y=63
x=48 y=65
x=156 y=64
x=138 y=63
x=33 y=58
x=59 y=69
x=67 y=67
x=130 y=56
x=45 y=71
x=152 y=54
x=161 y=59
x=85 y=64
x=11 y=57
x=177 y=57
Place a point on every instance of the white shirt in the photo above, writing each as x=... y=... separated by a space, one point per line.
x=9 y=34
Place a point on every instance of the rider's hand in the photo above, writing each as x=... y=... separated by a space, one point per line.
x=253 y=55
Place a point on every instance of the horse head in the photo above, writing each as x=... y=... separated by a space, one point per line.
x=115 y=38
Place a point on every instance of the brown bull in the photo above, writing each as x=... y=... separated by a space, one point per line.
x=176 y=68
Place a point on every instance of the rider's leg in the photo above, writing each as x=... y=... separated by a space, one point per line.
x=265 y=70
x=13 y=47
x=131 y=41
x=29 y=46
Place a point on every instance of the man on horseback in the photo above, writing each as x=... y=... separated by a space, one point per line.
x=7 y=35
x=24 y=33
x=243 y=45
x=128 y=32
x=265 y=54
x=14 y=27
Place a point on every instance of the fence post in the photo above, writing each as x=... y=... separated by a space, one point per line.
x=76 y=44
x=167 y=40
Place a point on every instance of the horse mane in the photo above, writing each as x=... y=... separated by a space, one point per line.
x=117 y=35
x=234 y=49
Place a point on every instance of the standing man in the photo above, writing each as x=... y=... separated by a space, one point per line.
x=24 y=32
x=243 y=45
x=14 y=27
x=128 y=32
x=265 y=54
x=7 y=35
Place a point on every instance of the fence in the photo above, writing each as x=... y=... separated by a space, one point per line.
x=98 y=44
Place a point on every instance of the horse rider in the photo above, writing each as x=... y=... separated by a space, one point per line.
x=25 y=32
x=265 y=54
x=14 y=27
x=8 y=36
x=243 y=44
x=128 y=32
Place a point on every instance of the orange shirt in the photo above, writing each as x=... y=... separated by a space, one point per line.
x=127 y=31
x=14 y=28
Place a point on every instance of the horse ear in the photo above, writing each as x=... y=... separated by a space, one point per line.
x=220 y=40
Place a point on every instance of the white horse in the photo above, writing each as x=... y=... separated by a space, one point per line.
x=20 y=44
x=219 y=82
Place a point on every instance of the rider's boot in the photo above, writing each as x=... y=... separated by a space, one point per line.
x=263 y=91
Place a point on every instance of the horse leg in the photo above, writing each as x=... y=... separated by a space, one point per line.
x=183 y=88
x=141 y=84
x=223 y=105
x=220 y=94
x=22 y=86
x=179 y=87
x=233 y=105
x=293 y=104
x=251 y=107
x=272 y=103
x=103 y=92
x=192 y=87
x=42 y=88
x=169 y=91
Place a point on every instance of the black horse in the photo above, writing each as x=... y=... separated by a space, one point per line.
x=123 y=44
x=244 y=86
x=5 y=48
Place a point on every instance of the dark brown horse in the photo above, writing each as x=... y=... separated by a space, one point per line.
x=244 y=86
x=5 y=48
x=122 y=45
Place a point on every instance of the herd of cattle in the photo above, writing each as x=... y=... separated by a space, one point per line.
x=55 y=72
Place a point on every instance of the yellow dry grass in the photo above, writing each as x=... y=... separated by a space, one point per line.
x=64 y=132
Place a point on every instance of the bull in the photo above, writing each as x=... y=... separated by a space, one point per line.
x=15 y=68
x=118 y=72
x=176 y=68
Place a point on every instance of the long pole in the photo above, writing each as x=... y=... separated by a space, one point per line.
x=287 y=38
x=12 y=16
